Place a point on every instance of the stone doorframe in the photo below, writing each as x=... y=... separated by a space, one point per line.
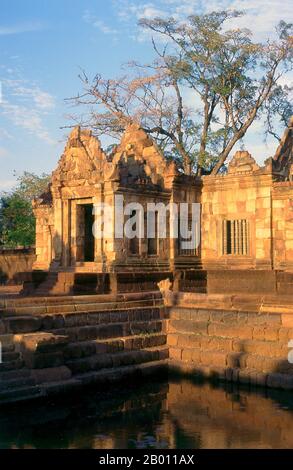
x=73 y=232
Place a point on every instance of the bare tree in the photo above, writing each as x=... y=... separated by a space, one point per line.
x=205 y=88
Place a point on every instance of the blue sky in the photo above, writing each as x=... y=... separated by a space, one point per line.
x=44 y=43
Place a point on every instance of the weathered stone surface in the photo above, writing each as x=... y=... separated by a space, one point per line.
x=2 y=327
x=52 y=374
x=43 y=360
x=175 y=353
x=40 y=342
x=22 y=324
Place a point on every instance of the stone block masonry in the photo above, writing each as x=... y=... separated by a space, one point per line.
x=60 y=344
x=239 y=346
x=16 y=265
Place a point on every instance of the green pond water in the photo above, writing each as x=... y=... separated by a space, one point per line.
x=170 y=414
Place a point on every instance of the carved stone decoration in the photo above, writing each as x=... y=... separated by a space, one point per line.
x=242 y=162
x=165 y=287
x=82 y=160
x=283 y=157
x=110 y=172
x=140 y=160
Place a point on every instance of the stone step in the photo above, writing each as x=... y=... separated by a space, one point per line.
x=22 y=324
x=242 y=360
x=95 y=318
x=7 y=343
x=220 y=316
x=112 y=330
x=16 y=383
x=10 y=356
x=102 y=361
x=102 y=377
x=80 y=308
x=117 y=374
x=11 y=365
x=45 y=303
x=135 y=342
x=20 y=394
x=81 y=299
x=6 y=340
x=8 y=348
x=266 y=348
x=30 y=324
x=14 y=374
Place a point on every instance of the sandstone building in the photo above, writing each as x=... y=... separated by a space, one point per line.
x=246 y=213
x=229 y=313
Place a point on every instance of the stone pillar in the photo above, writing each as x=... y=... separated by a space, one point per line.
x=65 y=233
x=73 y=248
x=113 y=248
x=57 y=237
x=99 y=252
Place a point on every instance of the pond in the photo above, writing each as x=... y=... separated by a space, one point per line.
x=177 y=413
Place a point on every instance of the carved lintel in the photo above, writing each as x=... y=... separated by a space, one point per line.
x=242 y=162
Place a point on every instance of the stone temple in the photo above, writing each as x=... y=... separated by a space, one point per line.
x=100 y=310
x=246 y=217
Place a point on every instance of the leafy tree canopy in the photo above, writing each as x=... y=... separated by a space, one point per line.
x=17 y=221
x=207 y=84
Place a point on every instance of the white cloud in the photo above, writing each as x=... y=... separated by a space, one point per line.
x=20 y=28
x=27 y=118
x=261 y=16
x=41 y=99
x=98 y=23
x=26 y=105
x=127 y=10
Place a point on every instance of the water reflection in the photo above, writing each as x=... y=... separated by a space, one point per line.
x=174 y=414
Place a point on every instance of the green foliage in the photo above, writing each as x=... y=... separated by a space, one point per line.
x=17 y=221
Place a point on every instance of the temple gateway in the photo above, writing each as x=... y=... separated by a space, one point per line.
x=246 y=214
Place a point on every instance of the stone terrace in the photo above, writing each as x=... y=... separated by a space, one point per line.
x=55 y=345
x=239 y=338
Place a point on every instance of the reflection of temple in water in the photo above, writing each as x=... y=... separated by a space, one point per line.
x=176 y=415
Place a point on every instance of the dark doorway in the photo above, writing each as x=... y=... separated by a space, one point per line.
x=89 y=241
x=134 y=242
x=85 y=242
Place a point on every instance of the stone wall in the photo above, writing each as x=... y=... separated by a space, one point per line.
x=54 y=346
x=242 y=195
x=283 y=225
x=256 y=196
x=15 y=264
x=239 y=346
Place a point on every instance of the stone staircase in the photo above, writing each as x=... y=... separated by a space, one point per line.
x=193 y=281
x=51 y=346
x=50 y=284
x=240 y=346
